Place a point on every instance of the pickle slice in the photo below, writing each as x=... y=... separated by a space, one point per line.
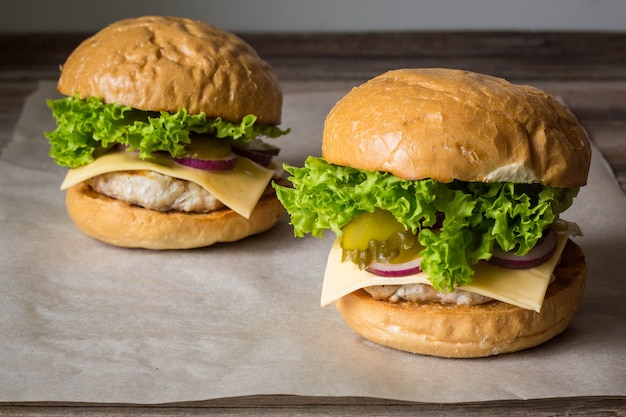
x=378 y=225
x=376 y=236
x=208 y=149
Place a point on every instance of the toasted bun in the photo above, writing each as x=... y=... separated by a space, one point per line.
x=470 y=331
x=450 y=124
x=167 y=64
x=121 y=224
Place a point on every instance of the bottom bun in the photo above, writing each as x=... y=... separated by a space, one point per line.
x=470 y=331
x=121 y=224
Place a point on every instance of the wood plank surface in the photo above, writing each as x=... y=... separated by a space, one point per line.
x=588 y=70
x=288 y=405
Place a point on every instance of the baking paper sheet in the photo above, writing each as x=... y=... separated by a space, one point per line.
x=84 y=321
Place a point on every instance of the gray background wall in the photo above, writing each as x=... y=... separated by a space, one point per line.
x=323 y=15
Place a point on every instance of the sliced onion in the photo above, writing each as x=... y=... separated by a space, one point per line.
x=537 y=255
x=395 y=270
x=258 y=151
x=222 y=164
x=259 y=146
x=260 y=157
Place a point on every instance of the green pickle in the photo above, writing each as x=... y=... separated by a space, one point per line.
x=378 y=236
x=208 y=149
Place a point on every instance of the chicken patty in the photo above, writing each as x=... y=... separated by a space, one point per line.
x=424 y=293
x=155 y=191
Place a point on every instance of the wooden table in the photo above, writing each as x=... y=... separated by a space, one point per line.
x=588 y=70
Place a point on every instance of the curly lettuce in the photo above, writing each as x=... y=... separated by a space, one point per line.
x=477 y=215
x=84 y=127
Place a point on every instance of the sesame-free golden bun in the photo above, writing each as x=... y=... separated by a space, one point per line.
x=454 y=331
x=156 y=63
x=122 y=224
x=448 y=124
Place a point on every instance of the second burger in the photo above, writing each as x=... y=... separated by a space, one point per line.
x=161 y=129
x=445 y=189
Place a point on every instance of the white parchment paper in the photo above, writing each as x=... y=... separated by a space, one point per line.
x=84 y=321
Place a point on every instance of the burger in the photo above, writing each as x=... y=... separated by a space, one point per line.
x=163 y=126
x=445 y=189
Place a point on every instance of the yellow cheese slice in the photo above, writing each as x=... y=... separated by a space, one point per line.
x=525 y=288
x=239 y=189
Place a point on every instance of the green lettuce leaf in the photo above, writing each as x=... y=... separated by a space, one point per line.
x=477 y=215
x=84 y=127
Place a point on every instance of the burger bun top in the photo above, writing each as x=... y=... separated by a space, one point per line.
x=156 y=63
x=448 y=124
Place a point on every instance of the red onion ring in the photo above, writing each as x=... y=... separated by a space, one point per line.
x=222 y=164
x=395 y=270
x=260 y=157
x=537 y=255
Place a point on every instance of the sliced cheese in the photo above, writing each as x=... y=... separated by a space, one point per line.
x=525 y=288
x=239 y=189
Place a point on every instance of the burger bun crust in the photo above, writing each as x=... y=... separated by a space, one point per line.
x=448 y=124
x=121 y=224
x=470 y=331
x=157 y=63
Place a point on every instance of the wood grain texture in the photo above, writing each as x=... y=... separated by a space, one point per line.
x=288 y=405
x=588 y=70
